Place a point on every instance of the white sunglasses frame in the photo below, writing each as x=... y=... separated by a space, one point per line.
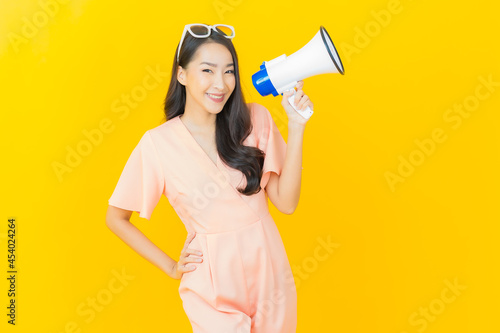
x=187 y=28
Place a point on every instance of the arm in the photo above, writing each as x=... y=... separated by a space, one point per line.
x=284 y=190
x=118 y=221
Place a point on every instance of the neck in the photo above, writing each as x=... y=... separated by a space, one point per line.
x=201 y=120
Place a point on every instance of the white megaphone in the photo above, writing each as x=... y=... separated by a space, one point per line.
x=319 y=56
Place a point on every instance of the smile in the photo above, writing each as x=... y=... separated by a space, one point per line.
x=216 y=98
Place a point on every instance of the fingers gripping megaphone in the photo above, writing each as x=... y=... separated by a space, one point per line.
x=319 y=56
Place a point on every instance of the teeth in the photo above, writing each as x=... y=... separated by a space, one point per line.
x=216 y=97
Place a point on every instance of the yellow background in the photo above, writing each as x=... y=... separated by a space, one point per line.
x=399 y=247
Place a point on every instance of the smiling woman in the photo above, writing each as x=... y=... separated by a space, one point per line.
x=214 y=80
x=205 y=91
x=217 y=160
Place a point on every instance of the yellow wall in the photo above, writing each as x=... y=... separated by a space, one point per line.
x=401 y=161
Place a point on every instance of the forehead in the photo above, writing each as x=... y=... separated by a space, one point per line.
x=214 y=53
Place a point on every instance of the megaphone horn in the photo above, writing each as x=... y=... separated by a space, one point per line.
x=319 y=56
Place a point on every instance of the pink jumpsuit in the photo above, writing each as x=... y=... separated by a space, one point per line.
x=245 y=282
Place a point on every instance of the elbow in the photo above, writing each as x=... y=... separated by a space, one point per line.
x=289 y=210
x=116 y=224
x=116 y=217
x=113 y=223
x=110 y=223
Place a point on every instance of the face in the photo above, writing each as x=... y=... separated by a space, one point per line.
x=208 y=86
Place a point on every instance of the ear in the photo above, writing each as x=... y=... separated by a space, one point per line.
x=181 y=75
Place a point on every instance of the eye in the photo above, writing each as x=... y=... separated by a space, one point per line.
x=232 y=72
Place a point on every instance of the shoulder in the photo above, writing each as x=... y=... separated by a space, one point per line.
x=261 y=117
x=163 y=127
x=159 y=134
x=257 y=109
x=263 y=124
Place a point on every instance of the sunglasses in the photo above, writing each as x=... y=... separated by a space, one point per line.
x=200 y=30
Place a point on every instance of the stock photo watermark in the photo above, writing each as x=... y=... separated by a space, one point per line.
x=280 y=118
x=300 y=273
x=122 y=107
x=217 y=181
x=89 y=309
x=221 y=7
x=454 y=117
x=31 y=26
x=429 y=313
x=202 y=195
x=380 y=19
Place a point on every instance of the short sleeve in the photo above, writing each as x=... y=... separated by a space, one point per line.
x=271 y=142
x=141 y=183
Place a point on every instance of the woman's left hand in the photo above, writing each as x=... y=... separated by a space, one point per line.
x=301 y=100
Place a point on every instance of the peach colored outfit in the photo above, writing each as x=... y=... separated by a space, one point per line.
x=245 y=282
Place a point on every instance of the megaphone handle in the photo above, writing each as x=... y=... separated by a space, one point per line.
x=307 y=113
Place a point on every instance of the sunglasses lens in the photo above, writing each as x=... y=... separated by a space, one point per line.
x=224 y=30
x=200 y=30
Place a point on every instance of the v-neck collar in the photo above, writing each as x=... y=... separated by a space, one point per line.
x=186 y=130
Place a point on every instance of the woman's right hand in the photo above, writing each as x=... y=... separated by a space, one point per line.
x=187 y=255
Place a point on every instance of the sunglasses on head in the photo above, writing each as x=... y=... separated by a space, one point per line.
x=200 y=30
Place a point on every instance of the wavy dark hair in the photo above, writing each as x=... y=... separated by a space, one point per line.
x=233 y=123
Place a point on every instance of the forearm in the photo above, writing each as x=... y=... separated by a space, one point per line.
x=135 y=239
x=291 y=173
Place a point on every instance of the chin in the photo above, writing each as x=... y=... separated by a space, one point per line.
x=215 y=106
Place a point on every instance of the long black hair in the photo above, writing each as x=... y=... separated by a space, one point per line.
x=233 y=123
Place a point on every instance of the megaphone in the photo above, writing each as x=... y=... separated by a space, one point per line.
x=319 y=56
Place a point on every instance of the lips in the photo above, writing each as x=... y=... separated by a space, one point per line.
x=216 y=97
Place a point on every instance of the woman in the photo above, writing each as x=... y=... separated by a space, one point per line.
x=218 y=160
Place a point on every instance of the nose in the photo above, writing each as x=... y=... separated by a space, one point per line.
x=218 y=83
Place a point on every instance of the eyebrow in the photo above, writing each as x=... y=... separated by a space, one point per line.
x=214 y=65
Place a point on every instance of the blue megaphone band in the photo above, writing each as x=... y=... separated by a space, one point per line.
x=262 y=82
